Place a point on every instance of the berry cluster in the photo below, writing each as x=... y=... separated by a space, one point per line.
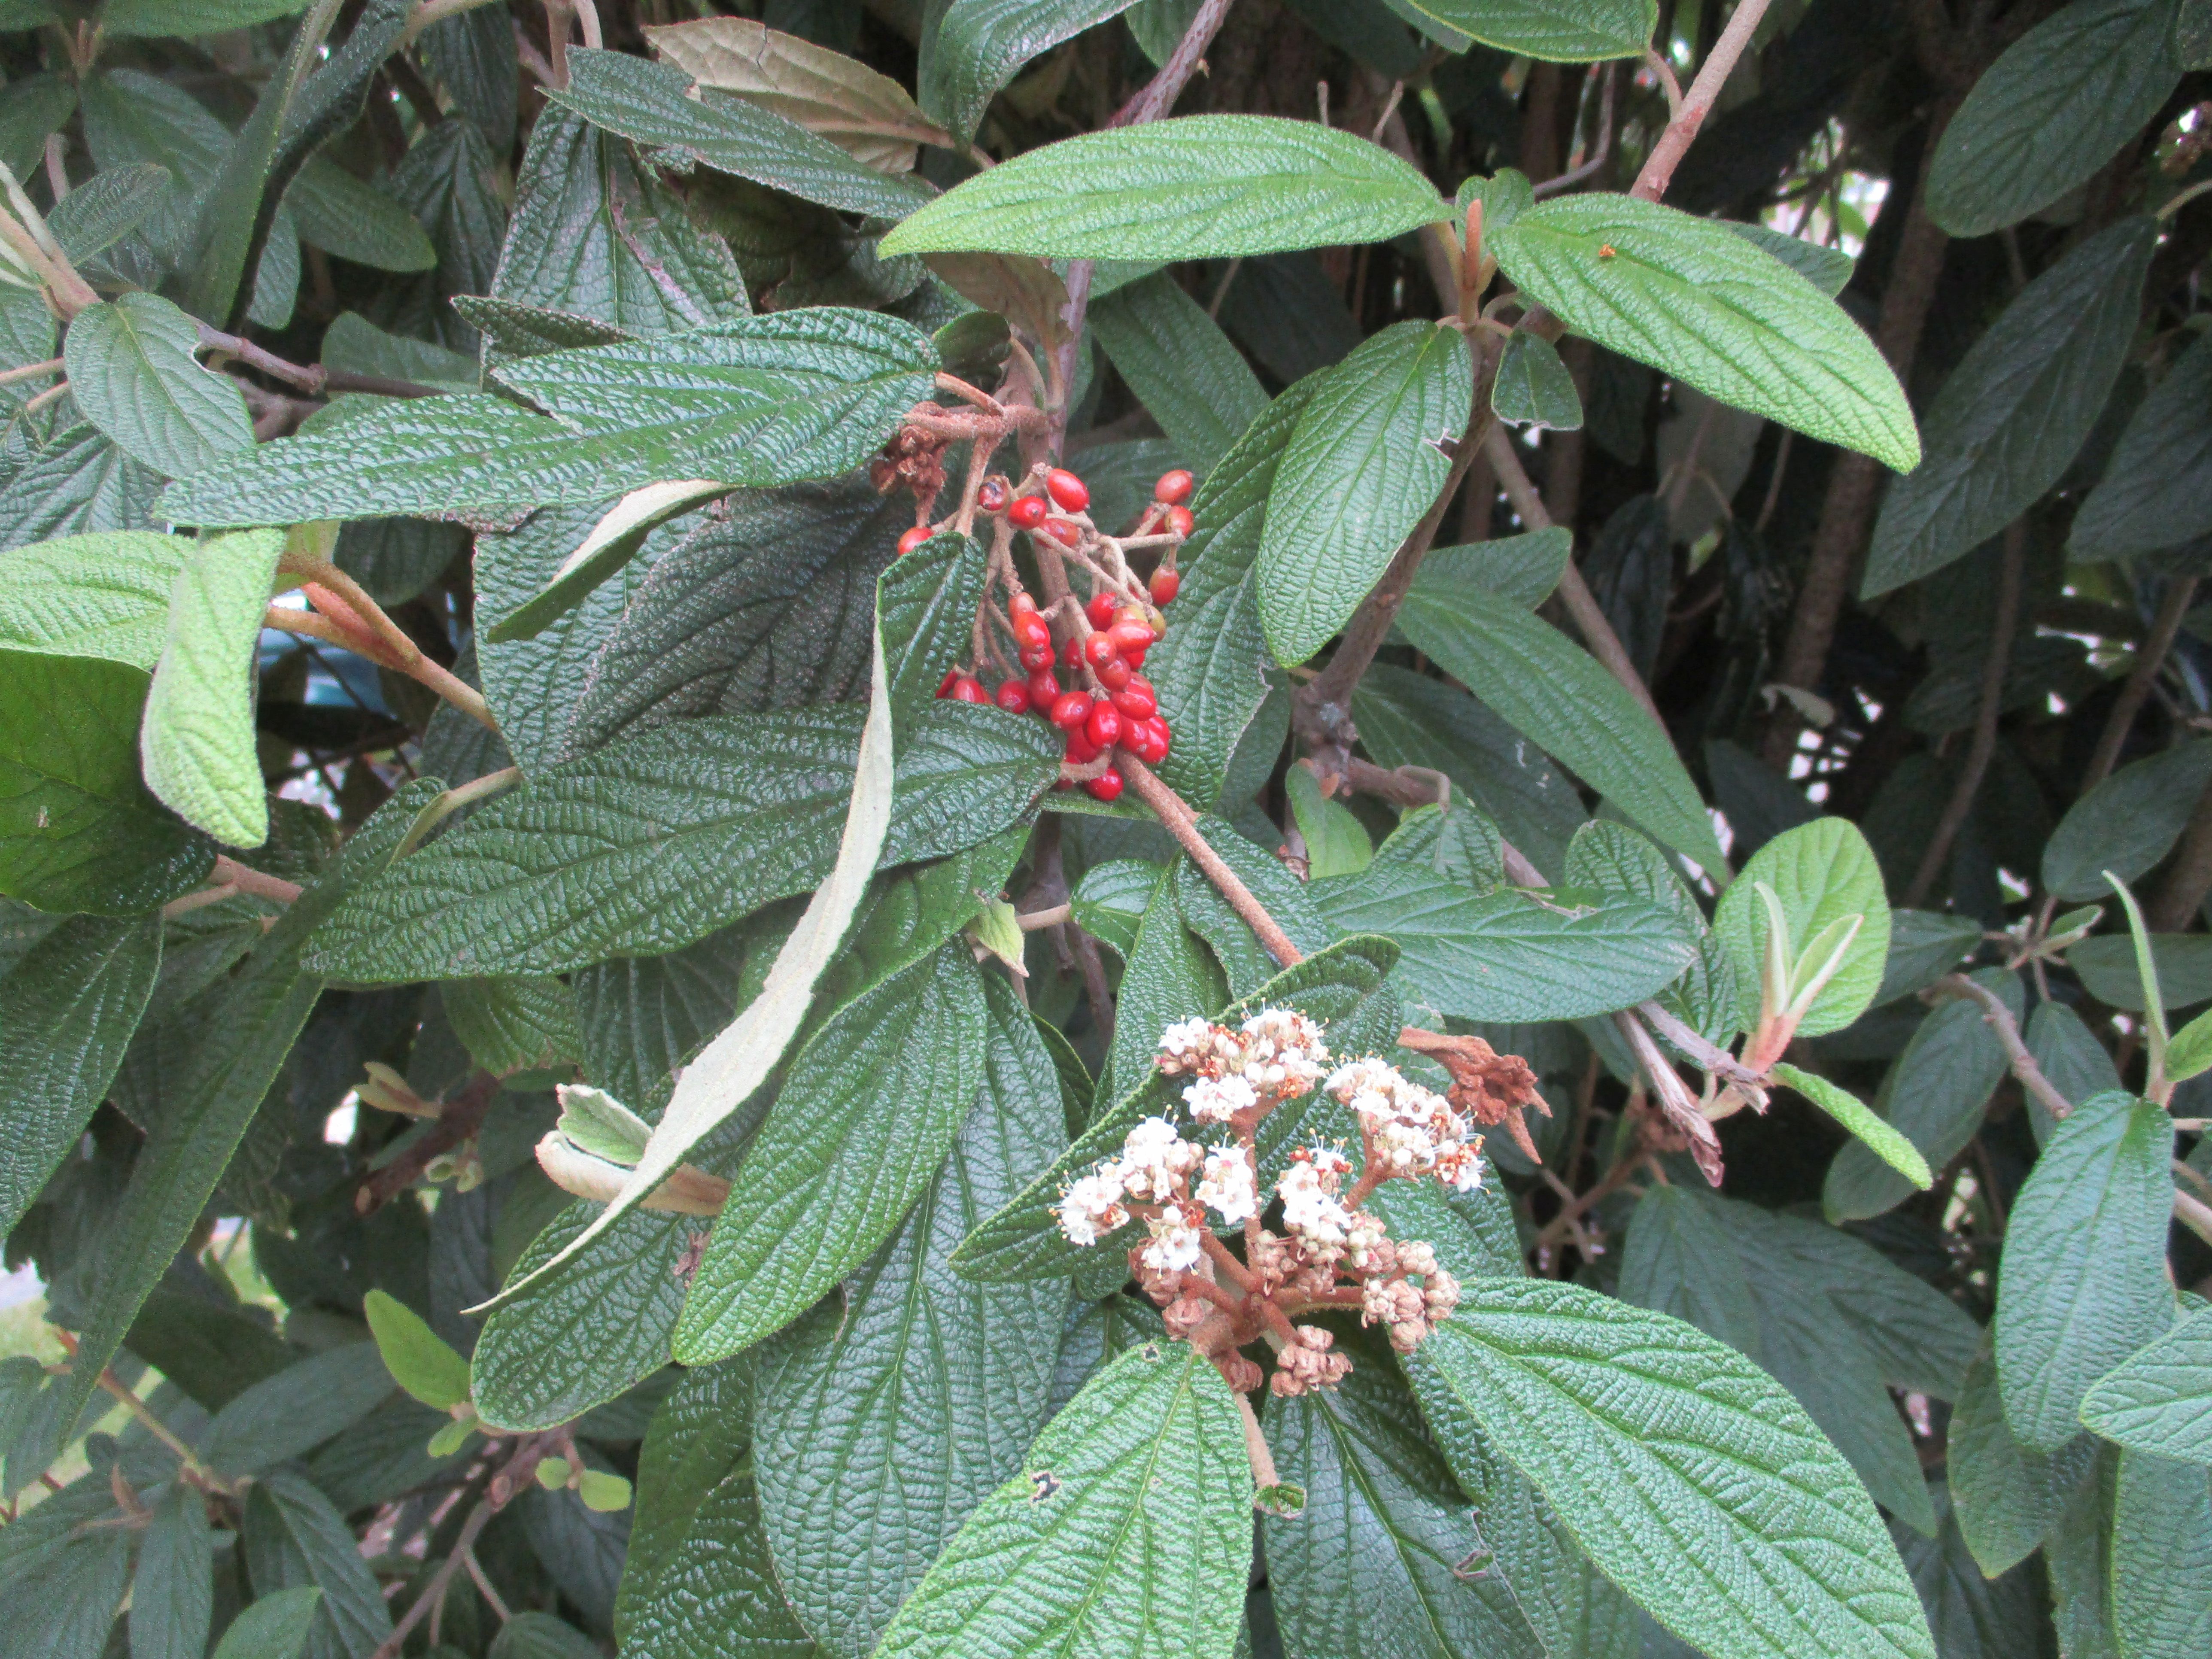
x=1087 y=684
x=1330 y=1253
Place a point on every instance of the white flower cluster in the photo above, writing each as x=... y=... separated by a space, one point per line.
x=1414 y=1130
x=1275 y=1056
x=1154 y=1167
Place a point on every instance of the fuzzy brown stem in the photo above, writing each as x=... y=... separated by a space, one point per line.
x=1999 y=1019
x=2148 y=660
x=459 y=1119
x=1667 y=155
x=1182 y=824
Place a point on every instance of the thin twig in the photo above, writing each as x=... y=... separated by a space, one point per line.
x=1255 y=1445
x=1985 y=745
x=1667 y=155
x=1182 y=824
x=1601 y=152
x=1999 y=1019
x=311 y=378
x=2149 y=658
x=459 y=1119
x=1030 y=921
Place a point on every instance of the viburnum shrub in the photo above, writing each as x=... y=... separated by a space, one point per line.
x=1112 y=829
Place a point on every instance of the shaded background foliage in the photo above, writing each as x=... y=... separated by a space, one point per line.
x=2006 y=704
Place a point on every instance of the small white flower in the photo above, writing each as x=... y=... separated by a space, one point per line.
x=1230 y=1187
x=1217 y=1099
x=1175 y=1246
x=1091 y=1207
x=1308 y=1211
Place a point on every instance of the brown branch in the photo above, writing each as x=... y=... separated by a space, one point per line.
x=1667 y=155
x=1985 y=745
x=459 y=1117
x=2189 y=877
x=1182 y=824
x=311 y=378
x=1999 y=1019
x=2149 y=658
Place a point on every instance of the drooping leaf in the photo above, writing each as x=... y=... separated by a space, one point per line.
x=1877 y=1134
x=197 y=740
x=2154 y=489
x=1199 y=186
x=275 y=1627
x=1696 y=302
x=2018 y=406
x=132 y=372
x=1828 y=269
x=757 y=401
x=697 y=1438
x=716 y=1594
x=2049 y=112
x=1644 y=1435
x=2162 y=1556
x=870 y=1108
x=605 y=855
x=651 y=104
x=1532 y=387
x=1581 y=32
x=2127 y=823
x=1212 y=668
x=882 y=1424
x=79 y=830
x=1934 y=1097
x=2082 y=1286
x=1363 y=465
x=1966 y=1612
x=1378 y=1562
x=288 y=1414
x=172 y=1591
x=2160 y=1400
x=65 y=1573
x=1127 y=1531
x=867 y=114
x=2109 y=972
x=1559 y=696
x=2005 y=1496
x=294 y=1540
x=971 y=48
x=67 y=1013
x=1181 y=366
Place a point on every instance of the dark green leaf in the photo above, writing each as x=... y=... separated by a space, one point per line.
x=2155 y=488
x=2049 y=112
x=30 y=108
x=2161 y=1399
x=699 y=1434
x=650 y=104
x=1698 y=303
x=1642 y=1431
x=2005 y=1497
x=2083 y=1280
x=2162 y=1558
x=882 y=1424
x=2127 y=823
x=1934 y=1096
x=871 y=1107
x=1378 y=1562
x=62 y=1572
x=1573 y=32
x=1362 y=467
x=1127 y=1531
x=1923 y=946
x=756 y=402
x=2106 y=965
x=1181 y=366
x=1200 y=187
x=1170 y=977
x=1521 y=570
x=173 y=1592
x=1532 y=387
x=132 y=372
x=275 y=1627
x=604 y=855
x=294 y=1411
x=1967 y=1613
x=716 y=1595
x=1556 y=693
x=294 y=1539
x=68 y=1009
x=79 y=830
x=971 y=48
x=2013 y=412
x=1828 y=269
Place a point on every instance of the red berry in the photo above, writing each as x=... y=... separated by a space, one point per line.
x=1081 y=751
x=968 y=689
x=1180 y=523
x=1070 y=491
x=1073 y=709
x=1021 y=606
x=1027 y=514
x=1163 y=739
x=1135 y=658
x=1013 y=697
x=951 y=678
x=1174 y=488
x=1136 y=705
x=1163 y=587
x=992 y=497
x=1126 y=636
x=1034 y=657
x=1044 y=690
x=1113 y=673
x=1100 y=649
x=1101 y=609
x=1031 y=629
x=1107 y=786
x=1140 y=683
x=1065 y=531
x=914 y=539
x=1104 y=725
